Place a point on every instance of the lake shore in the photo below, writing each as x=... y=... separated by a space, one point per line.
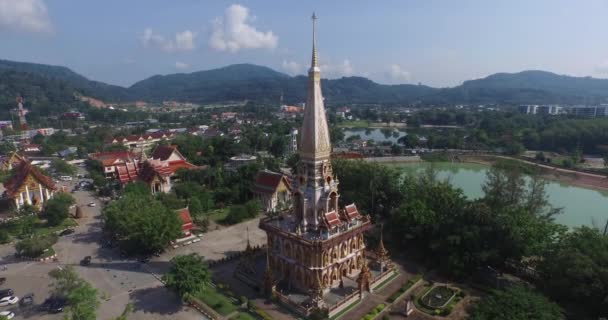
x=569 y=177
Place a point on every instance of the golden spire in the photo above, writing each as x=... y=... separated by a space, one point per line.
x=313 y=64
x=381 y=252
x=248 y=248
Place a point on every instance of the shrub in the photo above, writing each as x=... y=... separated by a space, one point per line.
x=4 y=237
x=35 y=246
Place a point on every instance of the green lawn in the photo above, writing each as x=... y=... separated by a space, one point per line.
x=216 y=300
x=40 y=227
x=354 y=124
x=217 y=215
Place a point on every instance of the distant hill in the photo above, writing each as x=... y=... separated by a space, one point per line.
x=68 y=77
x=526 y=87
x=38 y=82
x=247 y=81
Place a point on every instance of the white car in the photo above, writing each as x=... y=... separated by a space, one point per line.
x=7 y=314
x=8 y=300
x=92 y=204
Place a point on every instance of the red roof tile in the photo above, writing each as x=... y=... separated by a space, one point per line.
x=184 y=217
x=268 y=181
x=22 y=171
x=152 y=168
x=163 y=152
x=351 y=211
x=331 y=219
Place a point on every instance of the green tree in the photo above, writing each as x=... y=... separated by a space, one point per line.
x=137 y=189
x=188 y=274
x=81 y=297
x=63 y=168
x=35 y=246
x=515 y=303
x=141 y=223
x=575 y=270
x=57 y=209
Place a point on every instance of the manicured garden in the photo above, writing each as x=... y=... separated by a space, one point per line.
x=408 y=284
x=219 y=302
x=438 y=300
x=374 y=312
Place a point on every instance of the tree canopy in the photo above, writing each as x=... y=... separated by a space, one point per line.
x=141 y=223
x=515 y=303
x=81 y=297
x=188 y=274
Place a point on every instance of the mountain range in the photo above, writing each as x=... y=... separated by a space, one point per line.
x=45 y=84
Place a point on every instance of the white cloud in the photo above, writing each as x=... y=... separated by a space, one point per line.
x=183 y=41
x=341 y=69
x=24 y=15
x=291 y=66
x=397 y=74
x=233 y=32
x=181 y=65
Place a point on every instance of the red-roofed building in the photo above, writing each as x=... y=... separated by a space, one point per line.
x=273 y=189
x=174 y=159
x=157 y=175
x=186 y=220
x=111 y=161
x=28 y=185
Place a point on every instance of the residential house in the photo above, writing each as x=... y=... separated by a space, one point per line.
x=273 y=189
x=112 y=160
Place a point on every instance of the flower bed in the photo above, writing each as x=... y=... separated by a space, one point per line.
x=438 y=297
x=429 y=302
x=375 y=311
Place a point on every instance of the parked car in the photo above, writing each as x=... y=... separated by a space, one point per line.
x=7 y=314
x=27 y=300
x=53 y=305
x=6 y=293
x=92 y=204
x=8 y=301
x=145 y=259
x=66 y=232
x=65 y=178
x=86 y=261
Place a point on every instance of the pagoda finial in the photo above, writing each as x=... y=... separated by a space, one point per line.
x=313 y=64
x=248 y=248
x=382 y=252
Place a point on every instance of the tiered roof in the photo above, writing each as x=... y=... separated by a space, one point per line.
x=127 y=172
x=153 y=168
x=333 y=219
x=19 y=177
x=184 y=217
x=268 y=182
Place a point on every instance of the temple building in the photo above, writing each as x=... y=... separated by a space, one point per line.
x=317 y=247
x=28 y=186
x=273 y=190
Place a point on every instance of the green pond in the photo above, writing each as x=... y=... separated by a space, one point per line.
x=581 y=206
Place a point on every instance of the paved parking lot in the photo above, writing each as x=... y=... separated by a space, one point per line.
x=118 y=281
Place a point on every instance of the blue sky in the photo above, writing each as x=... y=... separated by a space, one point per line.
x=438 y=43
